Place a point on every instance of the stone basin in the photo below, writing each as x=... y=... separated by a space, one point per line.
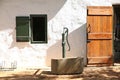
x=67 y=66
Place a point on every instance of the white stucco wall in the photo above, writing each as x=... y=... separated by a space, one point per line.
x=61 y=13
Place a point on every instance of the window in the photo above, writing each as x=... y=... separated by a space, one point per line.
x=36 y=26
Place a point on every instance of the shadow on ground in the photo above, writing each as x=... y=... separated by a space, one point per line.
x=90 y=73
x=103 y=74
x=19 y=77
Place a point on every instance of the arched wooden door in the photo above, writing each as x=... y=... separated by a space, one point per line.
x=99 y=35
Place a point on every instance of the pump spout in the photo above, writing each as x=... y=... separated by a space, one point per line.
x=64 y=41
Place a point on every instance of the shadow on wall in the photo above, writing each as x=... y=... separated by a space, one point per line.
x=51 y=8
x=77 y=40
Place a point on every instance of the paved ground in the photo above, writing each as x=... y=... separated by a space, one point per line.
x=90 y=73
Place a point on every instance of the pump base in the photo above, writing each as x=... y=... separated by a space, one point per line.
x=67 y=66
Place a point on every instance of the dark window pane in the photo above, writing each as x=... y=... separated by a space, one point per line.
x=39 y=28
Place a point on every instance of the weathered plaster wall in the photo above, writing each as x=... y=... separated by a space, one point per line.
x=61 y=13
x=25 y=54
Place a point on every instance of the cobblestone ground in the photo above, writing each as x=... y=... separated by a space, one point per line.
x=89 y=73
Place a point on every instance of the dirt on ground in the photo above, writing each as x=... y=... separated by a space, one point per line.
x=89 y=73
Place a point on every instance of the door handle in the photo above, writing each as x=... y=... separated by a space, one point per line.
x=89 y=29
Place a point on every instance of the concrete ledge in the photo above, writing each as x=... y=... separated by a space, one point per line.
x=67 y=66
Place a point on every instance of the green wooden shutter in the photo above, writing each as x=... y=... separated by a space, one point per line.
x=22 y=28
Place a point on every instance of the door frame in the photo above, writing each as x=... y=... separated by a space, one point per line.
x=114 y=25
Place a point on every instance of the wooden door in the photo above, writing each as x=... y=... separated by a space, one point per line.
x=99 y=35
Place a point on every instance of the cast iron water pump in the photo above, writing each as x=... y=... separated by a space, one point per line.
x=64 y=41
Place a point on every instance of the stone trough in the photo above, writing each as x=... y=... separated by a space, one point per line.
x=67 y=66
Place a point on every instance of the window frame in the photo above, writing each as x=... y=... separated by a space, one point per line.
x=31 y=28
